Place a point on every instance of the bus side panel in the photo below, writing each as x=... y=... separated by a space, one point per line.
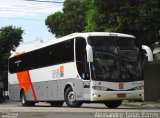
x=48 y=83
x=13 y=87
x=45 y=91
x=40 y=90
x=76 y=85
x=86 y=90
x=14 y=91
x=52 y=90
x=29 y=95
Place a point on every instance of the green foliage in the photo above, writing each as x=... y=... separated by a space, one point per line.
x=71 y=20
x=95 y=18
x=149 y=22
x=139 y=17
x=92 y=14
x=55 y=23
x=136 y=17
x=10 y=37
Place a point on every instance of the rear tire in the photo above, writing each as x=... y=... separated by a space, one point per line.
x=57 y=103
x=113 y=104
x=70 y=98
x=24 y=101
x=1 y=95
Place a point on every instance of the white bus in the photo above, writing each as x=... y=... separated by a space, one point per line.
x=81 y=67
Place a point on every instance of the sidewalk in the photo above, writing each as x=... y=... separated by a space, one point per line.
x=153 y=104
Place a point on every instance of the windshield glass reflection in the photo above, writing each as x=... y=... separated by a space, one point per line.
x=115 y=59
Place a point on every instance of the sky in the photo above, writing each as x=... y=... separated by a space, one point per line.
x=30 y=16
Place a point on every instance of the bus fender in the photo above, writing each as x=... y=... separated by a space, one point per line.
x=69 y=84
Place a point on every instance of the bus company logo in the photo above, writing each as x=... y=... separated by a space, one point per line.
x=61 y=71
x=121 y=85
x=58 y=72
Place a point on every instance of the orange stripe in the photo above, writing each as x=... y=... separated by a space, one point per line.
x=33 y=91
x=19 y=53
x=25 y=82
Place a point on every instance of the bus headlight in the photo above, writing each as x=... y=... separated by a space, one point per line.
x=100 y=88
x=138 y=88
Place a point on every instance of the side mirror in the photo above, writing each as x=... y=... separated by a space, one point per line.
x=89 y=53
x=149 y=52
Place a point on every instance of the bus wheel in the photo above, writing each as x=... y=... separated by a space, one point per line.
x=24 y=102
x=57 y=103
x=1 y=95
x=70 y=98
x=113 y=104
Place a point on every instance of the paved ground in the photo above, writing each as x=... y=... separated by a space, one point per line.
x=153 y=104
x=10 y=109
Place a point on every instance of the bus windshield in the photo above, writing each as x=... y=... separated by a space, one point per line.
x=116 y=59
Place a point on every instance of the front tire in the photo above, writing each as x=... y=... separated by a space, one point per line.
x=1 y=96
x=57 y=103
x=70 y=98
x=113 y=104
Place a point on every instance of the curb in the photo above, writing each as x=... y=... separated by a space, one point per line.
x=142 y=104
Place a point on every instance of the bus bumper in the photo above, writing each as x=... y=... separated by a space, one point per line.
x=117 y=95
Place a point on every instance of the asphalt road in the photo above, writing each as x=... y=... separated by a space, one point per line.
x=43 y=110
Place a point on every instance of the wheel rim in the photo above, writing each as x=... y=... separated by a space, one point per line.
x=23 y=99
x=71 y=97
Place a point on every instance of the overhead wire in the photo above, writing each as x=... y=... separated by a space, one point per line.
x=44 y=1
x=23 y=11
x=30 y=9
x=22 y=19
x=32 y=6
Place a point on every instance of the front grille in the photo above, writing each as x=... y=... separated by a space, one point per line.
x=120 y=90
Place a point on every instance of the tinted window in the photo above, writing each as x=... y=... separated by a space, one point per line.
x=50 y=55
x=81 y=58
x=68 y=51
x=19 y=63
x=45 y=56
x=56 y=53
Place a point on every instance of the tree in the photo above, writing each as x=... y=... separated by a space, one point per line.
x=149 y=22
x=55 y=23
x=94 y=18
x=136 y=17
x=71 y=20
x=10 y=38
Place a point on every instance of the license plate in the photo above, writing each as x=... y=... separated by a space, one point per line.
x=121 y=95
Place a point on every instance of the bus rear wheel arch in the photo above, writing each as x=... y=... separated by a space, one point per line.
x=24 y=101
x=70 y=100
x=113 y=103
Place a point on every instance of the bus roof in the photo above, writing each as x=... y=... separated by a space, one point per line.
x=73 y=35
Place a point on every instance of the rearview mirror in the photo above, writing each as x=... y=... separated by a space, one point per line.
x=149 y=53
x=89 y=53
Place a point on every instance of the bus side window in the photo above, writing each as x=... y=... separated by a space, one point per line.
x=44 y=57
x=81 y=58
x=68 y=51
